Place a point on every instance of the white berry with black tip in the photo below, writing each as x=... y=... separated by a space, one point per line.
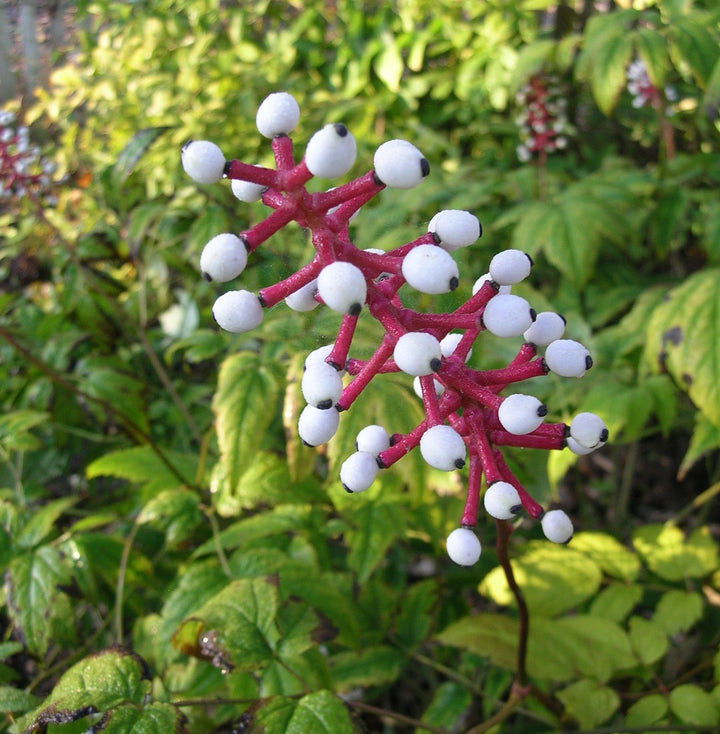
x=463 y=547
x=223 y=258
x=443 y=448
x=589 y=430
x=316 y=426
x=331 y=151
x=510 y=267
x=304 y=298
x=358 y=471
x=400 y=165
x=429 y=269
x=480 y=282
x=318 y=355
x=246 y=190
x=238 y=311
x=203 y=161
x=567 y=358
x=373 y=439
x=342 y=287
x=278 y=114
x=520 y=414
x=547 y=327
x=321 y=385
x=455 y=228
x=507 y=315
x=418 y=353
x=557 y=526
x=502 y=501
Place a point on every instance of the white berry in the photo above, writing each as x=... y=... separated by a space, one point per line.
x=318 y=355
x=321 y=385
x=443 y=448
x=246 y=190
x=589 y=430
x=203 y=161
x=400 y=165
x=521 y=414
x=342 y=287
x=455 y=228
x=237 y=311
x=547 y=327
x=278 y=114
x=418 y=353
x=449 y=343
x=510 y=267
x=429 y=269
x=506 y=315
x=417 y=387
x=316 y=426
x=223 y=258
x=373 y=439
x=503 y=289
x=358 y=471
x=576 y=448
x=304 y=298
x=331 y=151
x=557 y=526
x=567 y=358
x=463 y=547
x=502 y=501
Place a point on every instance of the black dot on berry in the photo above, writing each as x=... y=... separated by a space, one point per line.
x=380 y=462
x=377 y=180
x=355 y=309
x=347 y=489
x=533 y=314
x=604 y=434
x=435 y=364
x=424 y=166
x=542 y=411
x=186 y=145
x=207 y=277
x=564 y=320
x=588 y=362
x=325 y=404
x=340 y=129
x=454 y=282
x=530 y=259
x=243 y=239
x=459 y=463
x=481 y=230
x=226 y=168
x=262 y=300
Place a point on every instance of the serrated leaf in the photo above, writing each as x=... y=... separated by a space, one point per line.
x=369 y=667
x=15 y=700
x=155 y=718
x=677 y=611
x=616 y=601
x=705 y=438
x=415 y=618
x=647 y=711
x=245 y=404
x=95 y=684
x=693 y=705
x=15 y=429
x=316 y=713
x=611 y=555
x=589 y=703
x=449 y=702
x=648 y=640
x=42 y=521
x=175 y=511
x=683 y=337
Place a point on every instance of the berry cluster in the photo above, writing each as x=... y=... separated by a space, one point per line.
x=543 y=123
x=466 y=417
x=23 y=171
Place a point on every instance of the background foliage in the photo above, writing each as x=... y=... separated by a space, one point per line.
x=175 y=560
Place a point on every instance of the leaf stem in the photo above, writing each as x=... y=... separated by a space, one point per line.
x=120 y=589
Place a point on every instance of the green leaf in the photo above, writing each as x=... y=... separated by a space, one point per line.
x=693 y=705
x=14 y=700
x=15 y=429
x=42 y=522
x=648 y=640
x=135 y=149
x=647 y=711
x=695 y=46
x=388 y=64
x=236 y=628
x=33 y=595
x=415 y=618
x=246 y=402
x=589 y=703
x=316 y=713
x=669 y=555
x=369 y=667
x=653 y=52
x=553 y=578
x=616 y=601
x=677 y=611
x=705 y=438
x=611 y=555
x=683 y=337
x=155 y=718
x=450 y=701
x=95 y=684
x=297 y=624
x=175 y=511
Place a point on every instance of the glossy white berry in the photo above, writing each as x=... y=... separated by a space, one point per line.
x=567 y=358
x=246 y=190
x=203 y=161
x=316 y=426
x=576 y=448
x=237 y=311
x=278 y=114
x=417 y=387
x=358 y=471
x=372 y=439
x=342 y=287
x=304 y=298
x=449 y=343
x=502 y=501
x=503 y=289
x=331 y=151
x=589 y=430
x=429 y=269
x=318 y=355
x=507 y=315
x=520 y=414
x=223 y=258
x=321 y=385
x=443 y=448
x=547 y=327
x=557 y=526
x=510 y=267
x=455 y=228
x=417 y=353
x=463 y=547
x=400 y=164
